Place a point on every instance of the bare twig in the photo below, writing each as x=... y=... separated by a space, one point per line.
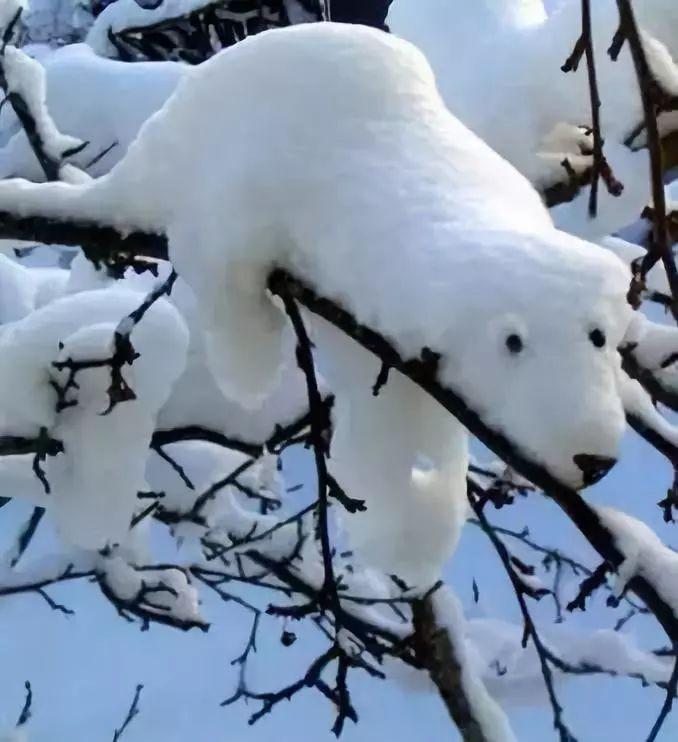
x=131 y=713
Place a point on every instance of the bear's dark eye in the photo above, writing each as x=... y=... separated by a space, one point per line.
x=514 y=343
x=597 y=337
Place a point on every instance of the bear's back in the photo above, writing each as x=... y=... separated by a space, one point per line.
x=340 y=119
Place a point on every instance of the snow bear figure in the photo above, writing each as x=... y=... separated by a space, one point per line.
x=327 y=150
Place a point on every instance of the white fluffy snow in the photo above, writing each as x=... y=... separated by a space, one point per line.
x=22 y=290
x=26 y=77
x=101 y=101
x=644 y=555
x=494 y=644
x=628 y=252
x=8 y=11
x=172 y=593
x=655 y=347
x=197 y=400
x=56 y=21
x=95 y=481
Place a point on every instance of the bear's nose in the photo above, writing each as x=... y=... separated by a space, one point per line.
x=593 y=467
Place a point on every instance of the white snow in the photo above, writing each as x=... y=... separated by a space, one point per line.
x=644 y=555
x=496 y=644
x=172 y=595
x=637 y=402
x=655 y=348
x=22 y=290
x=628 y=252
x=8 y=11
x=26 y=77
x=95 y=482
x=297 y=13
x=101 y=101
x=197 y=400
x=56 y=21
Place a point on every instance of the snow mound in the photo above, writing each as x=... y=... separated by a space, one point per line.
x=101 y=101
x=94 y=483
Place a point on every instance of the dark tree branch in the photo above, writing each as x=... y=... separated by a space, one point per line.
x=660 y=249
x=438 y=655
x=25 y=714
x=671 y=690
x=99 y=242
x=131 y=713
x=27 y=533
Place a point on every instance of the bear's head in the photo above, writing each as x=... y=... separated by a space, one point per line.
x=534 y=349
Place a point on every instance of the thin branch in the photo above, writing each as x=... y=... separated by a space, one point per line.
x=671 y=690
x=131 y=713
x=530 y=629
x=660 y=249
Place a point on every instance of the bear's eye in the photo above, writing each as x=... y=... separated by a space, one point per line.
x=597 y=337
x=514 y=343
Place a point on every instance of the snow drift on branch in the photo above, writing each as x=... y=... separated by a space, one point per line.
x=95 y=481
